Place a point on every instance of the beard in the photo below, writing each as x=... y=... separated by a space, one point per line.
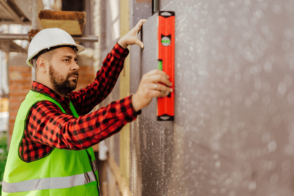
x=62 y=85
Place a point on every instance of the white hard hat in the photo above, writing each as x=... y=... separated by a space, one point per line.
x=49 y=38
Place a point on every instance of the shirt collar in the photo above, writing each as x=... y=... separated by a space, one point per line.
x=41 y=88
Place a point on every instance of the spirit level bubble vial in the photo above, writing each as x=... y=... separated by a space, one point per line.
x=166 y=62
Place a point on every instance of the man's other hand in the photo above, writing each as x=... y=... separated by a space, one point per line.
x=153 y=84
x=131 y=37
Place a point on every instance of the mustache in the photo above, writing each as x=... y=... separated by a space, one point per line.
x=75 y=73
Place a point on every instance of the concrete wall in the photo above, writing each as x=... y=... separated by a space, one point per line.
x=233 y=128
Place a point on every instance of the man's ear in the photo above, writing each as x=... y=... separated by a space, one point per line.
x=42 y=64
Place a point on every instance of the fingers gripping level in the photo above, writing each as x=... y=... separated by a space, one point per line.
x=166 y=62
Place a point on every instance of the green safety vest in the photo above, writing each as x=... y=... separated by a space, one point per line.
x=61 y=173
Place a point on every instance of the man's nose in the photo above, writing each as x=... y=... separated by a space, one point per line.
x=75 y=66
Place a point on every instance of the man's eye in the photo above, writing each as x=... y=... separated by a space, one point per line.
x=66 y=60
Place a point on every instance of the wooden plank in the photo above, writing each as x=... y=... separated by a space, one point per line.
x=71 y=22
x=120 y=180
x=124 y=152
x=125 y=91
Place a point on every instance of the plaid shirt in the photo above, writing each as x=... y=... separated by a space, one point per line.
x=48 y=127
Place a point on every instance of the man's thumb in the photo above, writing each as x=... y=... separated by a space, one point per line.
x=139 y=43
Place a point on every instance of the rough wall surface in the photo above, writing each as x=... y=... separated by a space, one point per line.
x=233 y=129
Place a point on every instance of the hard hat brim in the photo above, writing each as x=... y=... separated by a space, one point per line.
x=79 y=50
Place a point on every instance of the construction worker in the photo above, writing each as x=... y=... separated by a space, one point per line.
x=50 y=152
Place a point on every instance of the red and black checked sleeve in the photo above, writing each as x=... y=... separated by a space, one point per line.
x=48 y=125
x=87 y=98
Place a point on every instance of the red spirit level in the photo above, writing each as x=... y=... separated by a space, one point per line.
x=166 y=61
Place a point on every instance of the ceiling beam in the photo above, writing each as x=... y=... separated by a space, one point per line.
x=12 y=14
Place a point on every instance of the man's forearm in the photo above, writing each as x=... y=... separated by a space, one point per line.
x=123 y=43
x=85 y=99
x=67 y=132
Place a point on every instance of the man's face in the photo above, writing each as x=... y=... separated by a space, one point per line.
x=63 y=70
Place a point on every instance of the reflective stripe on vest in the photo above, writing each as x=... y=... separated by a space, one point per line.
x=51 y=183
x=94 y=165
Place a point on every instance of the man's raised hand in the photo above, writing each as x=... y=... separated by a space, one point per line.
x=131 y=37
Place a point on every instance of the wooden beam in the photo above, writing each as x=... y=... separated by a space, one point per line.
x=6 y=8
x=124 y=162
x=14 y=22
x=13 y=47
x=84 y=38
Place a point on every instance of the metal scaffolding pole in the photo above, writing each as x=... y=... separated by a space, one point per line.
x=84 y=38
